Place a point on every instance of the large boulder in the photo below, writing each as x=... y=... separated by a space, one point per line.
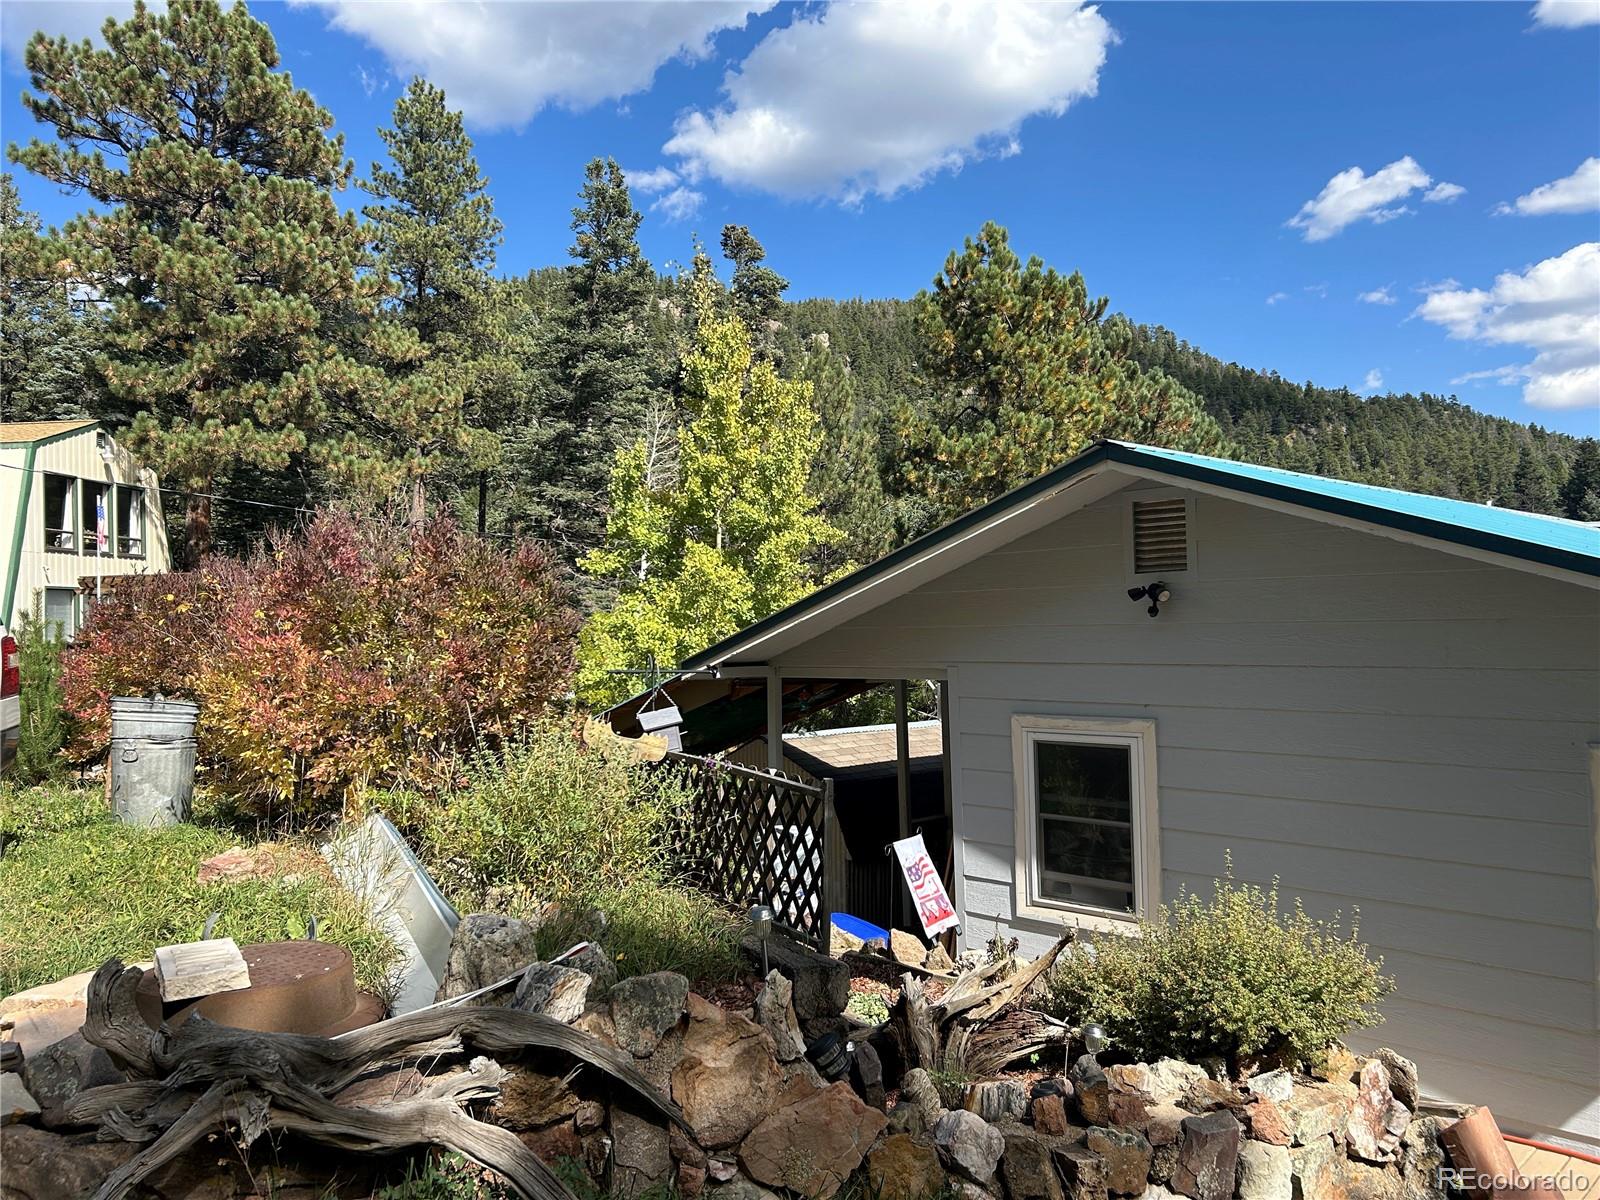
x=486 y=948
x=1126 y=1155
x=814 y=1144
x=1165 y=1081
x=1318 y=1110
x=920 y=1105
x=60 y=1071
x=641 y=1157
x=646 y=1007
x=903 y=1167
x=40 y=1165
x=553 y=991
x=1265 y=1172
x=997 y=1100
x=1208 y=1155
x=1377 y=1120
x=1029 y=1170
x=1091 y=1089
x=969 y=1144
x=726 y=1081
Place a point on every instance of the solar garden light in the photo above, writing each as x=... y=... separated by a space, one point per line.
x=761 y=917
x=1095 y=1039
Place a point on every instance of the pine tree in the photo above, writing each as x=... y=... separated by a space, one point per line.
x=720 y=541
x=847 y=477
x=1580 y=494
x=756 y=290
x=1029 y=374
x=434 y=236
x=240 y=332
x=1532 y=489
x=43 y=730
x=48 y=347
x=600 y=365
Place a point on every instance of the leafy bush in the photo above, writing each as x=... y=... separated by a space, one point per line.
x=78 y=887
x=545 y=818
x=354 y=652
x=1231 y=975
x=44 y=727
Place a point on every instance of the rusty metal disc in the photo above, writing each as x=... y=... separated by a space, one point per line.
x=295 y=987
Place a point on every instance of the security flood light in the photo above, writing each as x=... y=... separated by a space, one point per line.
x=1157 y=593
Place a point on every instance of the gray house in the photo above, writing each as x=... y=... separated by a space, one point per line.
x=1390 y=702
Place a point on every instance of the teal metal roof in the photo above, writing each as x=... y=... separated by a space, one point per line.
x=1548 y=541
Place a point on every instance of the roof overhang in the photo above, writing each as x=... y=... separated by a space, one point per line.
x=1558 y=549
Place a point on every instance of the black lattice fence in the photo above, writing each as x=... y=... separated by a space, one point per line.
x=754 y=837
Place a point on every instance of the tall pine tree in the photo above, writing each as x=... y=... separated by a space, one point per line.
x=49 y=336
x=755 y=289
x=1028 y=373
x=240 y=332
x=846 y=477
x=434 y=236
x=723 y=539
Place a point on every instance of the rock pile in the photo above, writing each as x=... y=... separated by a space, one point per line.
x=762 y=1120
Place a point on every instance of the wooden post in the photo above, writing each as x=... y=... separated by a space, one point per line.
x=950 y=883
x=835 y=868
x=902 y=779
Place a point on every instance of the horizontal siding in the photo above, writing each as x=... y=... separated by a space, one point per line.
x=1381 y=727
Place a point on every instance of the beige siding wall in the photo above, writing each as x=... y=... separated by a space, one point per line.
x=39 y=568
x=1382 y=726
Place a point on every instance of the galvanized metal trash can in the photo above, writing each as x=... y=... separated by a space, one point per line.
x=152 y=759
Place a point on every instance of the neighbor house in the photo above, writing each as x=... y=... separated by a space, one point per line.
x=1150 y=662
x=55 y=476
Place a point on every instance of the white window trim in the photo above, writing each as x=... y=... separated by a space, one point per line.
x=1140 y=737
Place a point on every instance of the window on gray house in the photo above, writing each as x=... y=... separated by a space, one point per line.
x=60 y=527
x=61 y=608
x=93 y=495
x=1085 y=823
x=130 y=521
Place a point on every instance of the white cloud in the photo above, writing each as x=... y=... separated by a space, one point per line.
x=1353 y=195
x=1443 y=193
x=1276 y=297
x=1577 y=193
x=1553 y=308
x=1319 y=290
x=21 y=19
x=869 y=99
x=679 y=204
x=1566 y=14
x=656 y=179
x=1501 y=375
x=502 y=63
x=1373 y=382
x=1379 y=295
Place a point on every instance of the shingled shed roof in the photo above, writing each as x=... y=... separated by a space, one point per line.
x=862 y=749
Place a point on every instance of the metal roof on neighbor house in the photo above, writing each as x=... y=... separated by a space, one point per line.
x=1569 y=546
x=22 y=433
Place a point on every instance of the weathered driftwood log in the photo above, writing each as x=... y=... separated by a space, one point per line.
x=977 y=1026
x=201 y=1077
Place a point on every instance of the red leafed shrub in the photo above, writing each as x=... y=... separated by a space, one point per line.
x=355 y=651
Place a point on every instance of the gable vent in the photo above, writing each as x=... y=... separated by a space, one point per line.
x=1160 y=536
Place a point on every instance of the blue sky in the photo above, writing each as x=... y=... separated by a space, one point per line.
x=1241 y=173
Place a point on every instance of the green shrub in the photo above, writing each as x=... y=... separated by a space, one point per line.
x=545 y=818
x=44 y=719
x=78 y=887
x=1231 y=975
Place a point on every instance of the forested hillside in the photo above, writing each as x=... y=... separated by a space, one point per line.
x=696 y=449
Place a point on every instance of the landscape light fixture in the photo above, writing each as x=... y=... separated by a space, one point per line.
x=1095 y=1038
x=1157 y=593
x=761 y=917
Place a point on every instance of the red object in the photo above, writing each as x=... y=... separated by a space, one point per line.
x=10 y=667
x=1577 y=1154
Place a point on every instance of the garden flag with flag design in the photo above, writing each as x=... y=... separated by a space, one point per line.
x=934 y=909
x=100 y=523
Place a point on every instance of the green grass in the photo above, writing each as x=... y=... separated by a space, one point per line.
x=77 y=887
